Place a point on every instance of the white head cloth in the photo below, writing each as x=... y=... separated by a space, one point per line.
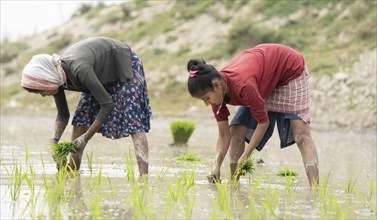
x=43 y=72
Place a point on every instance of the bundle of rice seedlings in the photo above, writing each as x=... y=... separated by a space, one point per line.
x=181 y=131
x=287 y=172
x=247 y=166
x=61 y=150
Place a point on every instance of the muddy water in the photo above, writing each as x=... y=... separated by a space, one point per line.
x=343 y=155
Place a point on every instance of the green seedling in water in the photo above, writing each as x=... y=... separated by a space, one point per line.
x=222 y=206
x=27 y=155
x=173 y=192
x=372 y=186
x=95 y=181
x=160 y=174
x=367 y=198
x=188 y=207
x=350 y=187
x=112 y=193
x=289 y=185
x=287 y=172
x=182 y=185
x=181 y=131
x=43 y=162
x=140 y=201
x=15 y=180
x=89 y=157
x=31 y=183
x=61 y=151
x=94 y=205
x=188 y=180
x=324 y=186
x=55 y=193
x=270 y=201
x=46 y=182
x=130 y=167
x=188 y=157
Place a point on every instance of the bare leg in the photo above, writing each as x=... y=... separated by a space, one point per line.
x=141 y=151
x=303 y=138
x=75 y=158
x=237 y=145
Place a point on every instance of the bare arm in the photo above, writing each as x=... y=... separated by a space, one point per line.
x=58 y=131
x=223 y=142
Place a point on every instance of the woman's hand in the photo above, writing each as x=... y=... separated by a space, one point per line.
x=237 y=174
x=80 y=143
x=214 y=176
x=242 y=159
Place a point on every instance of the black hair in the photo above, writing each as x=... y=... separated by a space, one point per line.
x=201 y=83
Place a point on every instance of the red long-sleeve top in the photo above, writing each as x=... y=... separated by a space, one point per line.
x=254 y=73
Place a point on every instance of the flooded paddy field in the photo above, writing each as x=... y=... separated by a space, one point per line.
x=108 y=186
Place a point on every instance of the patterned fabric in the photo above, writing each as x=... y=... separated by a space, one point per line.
x=132 y=111
x=293 y=98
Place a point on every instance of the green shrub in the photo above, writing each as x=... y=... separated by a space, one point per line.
x=181 y=131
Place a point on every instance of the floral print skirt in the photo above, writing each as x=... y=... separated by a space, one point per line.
x=132 y=110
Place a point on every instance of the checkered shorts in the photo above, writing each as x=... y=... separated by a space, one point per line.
x=293 y=98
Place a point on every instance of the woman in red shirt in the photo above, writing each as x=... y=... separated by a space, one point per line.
x=271 y=84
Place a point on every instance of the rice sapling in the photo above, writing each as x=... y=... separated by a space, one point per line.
x=287 y=172
x=189 y=157
x=61 y=151
x=181 y=131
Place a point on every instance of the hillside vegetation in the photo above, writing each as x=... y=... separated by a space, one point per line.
x=337 y=38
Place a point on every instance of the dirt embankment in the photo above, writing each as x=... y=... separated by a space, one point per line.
x=348 y=99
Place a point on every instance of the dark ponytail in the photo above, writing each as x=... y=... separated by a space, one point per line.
x=200 y=77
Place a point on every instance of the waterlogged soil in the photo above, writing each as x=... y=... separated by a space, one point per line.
x=105 y=188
